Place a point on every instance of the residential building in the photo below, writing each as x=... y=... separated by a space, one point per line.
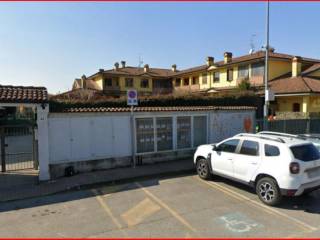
x=294 y=80
x=116 y=81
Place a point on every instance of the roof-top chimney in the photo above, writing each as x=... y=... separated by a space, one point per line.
x=174 y=68
x=83 y=81
x=210 y=61
x=116 y=66
x=101 y=70
x=123 y=64
x=227 y=57
x=146 y=68
x=296 y=66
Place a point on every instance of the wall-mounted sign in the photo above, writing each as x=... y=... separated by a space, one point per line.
x=132 y=97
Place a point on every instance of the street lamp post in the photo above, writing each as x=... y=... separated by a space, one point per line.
x=266 y=71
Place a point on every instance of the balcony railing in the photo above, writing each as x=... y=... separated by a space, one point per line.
x=113 y=90
x=187 y=88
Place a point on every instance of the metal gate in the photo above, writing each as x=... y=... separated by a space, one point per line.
x=18 y=148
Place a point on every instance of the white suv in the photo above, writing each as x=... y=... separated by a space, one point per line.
x=275 y=166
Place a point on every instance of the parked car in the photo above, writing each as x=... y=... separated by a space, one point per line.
x=314 y=138
x=274 y=166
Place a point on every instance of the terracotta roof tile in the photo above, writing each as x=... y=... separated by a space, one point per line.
x=295 y=85
x=159 y=109
x=19 y=94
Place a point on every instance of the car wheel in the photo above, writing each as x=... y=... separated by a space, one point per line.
x=203 y=169
x=268 y=191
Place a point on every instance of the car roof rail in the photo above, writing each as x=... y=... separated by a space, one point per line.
x=277 y=139
x=277 y=134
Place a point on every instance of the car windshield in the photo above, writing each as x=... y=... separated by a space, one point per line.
x=306 y=152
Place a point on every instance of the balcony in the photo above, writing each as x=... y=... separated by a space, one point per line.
x=159 y=91
x=112 y=90
x=187 y=88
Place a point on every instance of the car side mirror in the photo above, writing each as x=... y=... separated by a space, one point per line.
x=214 y=148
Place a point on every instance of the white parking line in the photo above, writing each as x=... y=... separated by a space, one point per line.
x=270 y=210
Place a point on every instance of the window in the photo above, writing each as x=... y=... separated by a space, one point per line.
x=296 y=107
x=229 y=146
x=186 y=81
x=178 y=82
x=199 y=130
x=257 y=69
x=145 y=135
x=204 y=78
x=271 y=151
x=250 y=148
x=144 y=83
x=164 y=133
x=195 y=80
x=229 y=75
x=108 y=82
x=243 y=71
x=129 y=82
x=116 y=82
x=306 y=152
x=216 y=76
x=183 y=132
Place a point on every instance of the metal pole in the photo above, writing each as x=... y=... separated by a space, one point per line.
x=3 y=150
x=132 y=138
x=266 y=70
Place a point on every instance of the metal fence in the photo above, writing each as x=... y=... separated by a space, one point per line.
x=293 y=126
x=18 y=148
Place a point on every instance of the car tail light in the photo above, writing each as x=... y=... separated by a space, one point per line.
x=294 y=168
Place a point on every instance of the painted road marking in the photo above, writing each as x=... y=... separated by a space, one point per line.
x=238 y=223
x=270 y=210
x=165 y=206
x=106 y=208
x=140 y=212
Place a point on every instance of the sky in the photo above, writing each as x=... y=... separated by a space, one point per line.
x=52 y=43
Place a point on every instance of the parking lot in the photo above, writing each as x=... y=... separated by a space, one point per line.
x=177 y=206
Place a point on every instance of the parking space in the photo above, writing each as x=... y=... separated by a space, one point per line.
x=181 y=206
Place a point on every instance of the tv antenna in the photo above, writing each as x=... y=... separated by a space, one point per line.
x=252 y=46
x=140 y=61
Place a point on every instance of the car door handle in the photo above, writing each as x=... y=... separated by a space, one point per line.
x=230 y=159
x=254 y=163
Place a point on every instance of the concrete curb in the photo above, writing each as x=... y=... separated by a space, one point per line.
x=85 y=180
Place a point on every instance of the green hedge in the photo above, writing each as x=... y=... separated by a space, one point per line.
x=161 y=101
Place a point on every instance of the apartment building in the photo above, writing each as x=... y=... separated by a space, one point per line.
x=295 y=80
x=115 y=82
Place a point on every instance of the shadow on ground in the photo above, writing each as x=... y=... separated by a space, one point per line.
x=86 y=192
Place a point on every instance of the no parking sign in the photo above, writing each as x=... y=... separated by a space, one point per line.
x=132 y=97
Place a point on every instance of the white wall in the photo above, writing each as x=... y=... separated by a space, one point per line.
x=225 y=124
x=80 y=137
x=88 y=136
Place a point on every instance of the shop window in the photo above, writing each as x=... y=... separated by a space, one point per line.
x=164 y=133
x=199 y=130
x=183 y=132
x=145 y=135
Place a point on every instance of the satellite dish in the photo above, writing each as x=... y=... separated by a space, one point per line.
x=251 y=51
